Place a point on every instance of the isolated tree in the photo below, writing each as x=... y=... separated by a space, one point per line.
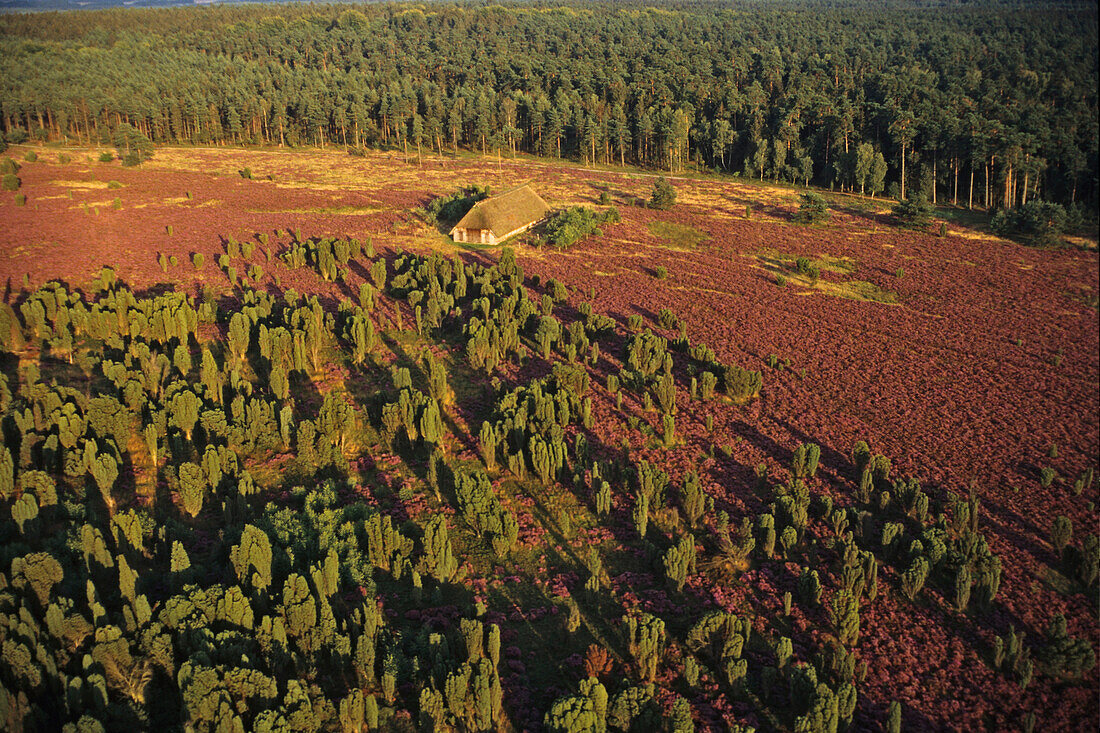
x=663 y=196
x=132 y=145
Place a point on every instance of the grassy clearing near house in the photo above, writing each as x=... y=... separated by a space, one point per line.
x=677 y=236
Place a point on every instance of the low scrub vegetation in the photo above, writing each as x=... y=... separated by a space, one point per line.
x=567 y=227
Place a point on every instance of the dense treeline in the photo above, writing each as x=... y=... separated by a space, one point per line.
x=992 y=103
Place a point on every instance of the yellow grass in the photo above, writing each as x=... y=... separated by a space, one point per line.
x=80 y=184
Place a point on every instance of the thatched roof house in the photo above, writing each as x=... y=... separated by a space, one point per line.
x=494 y=219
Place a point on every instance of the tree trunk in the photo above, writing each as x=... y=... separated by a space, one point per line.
x=955 y=192
x=970 y=201
x=903 y=146
x=934 y=161
x=987 y=167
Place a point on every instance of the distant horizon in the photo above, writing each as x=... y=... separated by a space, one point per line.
x=8 y=6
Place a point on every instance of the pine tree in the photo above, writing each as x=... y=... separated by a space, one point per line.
x=645 y=639
x=641 y=514
x=437 y=549
x=252 y=558
x=7 y=473
x=693 y=499
x=192 y=488
x=181 y=358
x=239 y=335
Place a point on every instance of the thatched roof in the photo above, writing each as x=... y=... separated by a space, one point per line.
x=505 y=213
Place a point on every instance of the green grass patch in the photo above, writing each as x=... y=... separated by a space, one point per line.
x=823 y=262
x=677 y=236
x=863 y=290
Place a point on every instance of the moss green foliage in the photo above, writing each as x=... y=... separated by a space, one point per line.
x=447 y=210
x=914 y=212
x=567 y=227
x=812 y=209
x=10 y=182
x=1036 y=222
x=645 y=636
x=663 y=196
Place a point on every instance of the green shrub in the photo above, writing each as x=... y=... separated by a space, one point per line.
x=1061 y=532
x=1036 y=222
x=198 y=260
x=64 y=159
x=20 y=199
x=246 y=173
x=7 y=165
x=661 y=273
x=664 y=195
x=11 y=182
x=813 y=209
x=106 y=157
x=449 y=209
x=1047 y=476
x=566 y=228
x=914 y=212
x=117 y=203
x=805 y=266
x=114 y=184
x=31 y=157
x=131 y=159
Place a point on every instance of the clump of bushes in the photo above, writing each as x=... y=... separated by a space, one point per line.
x=198 y=260
x=804 y=266
x=20 y=199
x=114 y=184
x=914 y=212
x=1036 y=222
x=31 y=157
x=7 y=165
x=64 y=159
x=566 y=228
x=246 y=173
x=106 y=157
x=451 y=208
x=10 y=182
x=660 y=272
x=664 y=195
x=813 y=209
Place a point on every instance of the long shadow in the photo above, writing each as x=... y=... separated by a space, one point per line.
x=767 y=209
